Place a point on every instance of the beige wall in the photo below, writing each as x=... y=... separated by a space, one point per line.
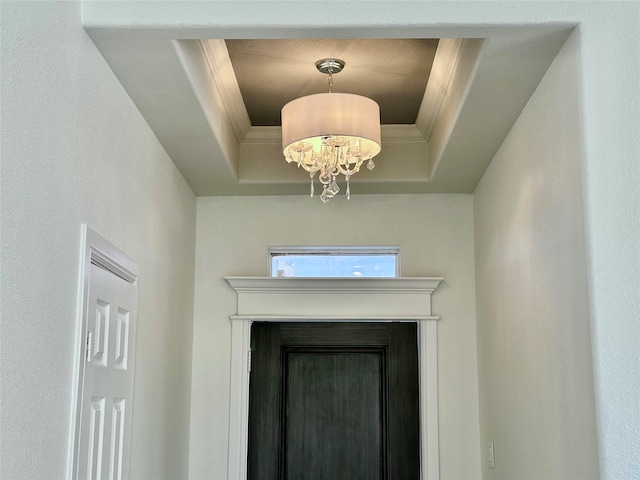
x=76 y=150
x=534 y=345
x=436 y=239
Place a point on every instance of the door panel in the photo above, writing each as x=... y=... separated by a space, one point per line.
x=107 y=389
x=321 y=404
x=346 y=427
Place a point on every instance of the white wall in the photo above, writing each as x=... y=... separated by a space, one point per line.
x=608 y=106
x=75 y=149
x=610 y=115
x=534 y=346
x=59 y=147
x=610 y=62
x=436 y=239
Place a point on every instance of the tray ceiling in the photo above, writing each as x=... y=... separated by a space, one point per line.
x=446 y=103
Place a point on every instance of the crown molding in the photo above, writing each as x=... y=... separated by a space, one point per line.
x=461 y=73
x=217 y=57
x=442 y=71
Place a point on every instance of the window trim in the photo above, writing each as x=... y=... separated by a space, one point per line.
x=334 y=250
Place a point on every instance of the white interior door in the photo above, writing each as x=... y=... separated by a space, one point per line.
x=104 y=438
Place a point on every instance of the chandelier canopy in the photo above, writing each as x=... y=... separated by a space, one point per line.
x=331 y=133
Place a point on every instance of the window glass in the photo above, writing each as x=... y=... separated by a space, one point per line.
x=334 y=263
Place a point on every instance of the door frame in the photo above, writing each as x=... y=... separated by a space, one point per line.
x=96 y=250
x=268 y=299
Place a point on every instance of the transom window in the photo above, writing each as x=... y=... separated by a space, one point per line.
x=315 y=262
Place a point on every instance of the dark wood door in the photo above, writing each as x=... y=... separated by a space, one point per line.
x=331 y=401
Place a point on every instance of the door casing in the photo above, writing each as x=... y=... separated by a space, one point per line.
x=329 y=300
x=96 y=252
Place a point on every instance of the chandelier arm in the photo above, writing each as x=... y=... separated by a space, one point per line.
x=348 y=172
x=304 y=165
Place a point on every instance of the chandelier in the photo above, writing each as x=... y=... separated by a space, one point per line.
x=331 y=133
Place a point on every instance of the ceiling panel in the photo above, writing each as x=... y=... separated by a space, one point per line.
x=393 y=72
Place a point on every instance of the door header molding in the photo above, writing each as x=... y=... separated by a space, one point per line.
x=349 y=299
x=334 y=285
x=333 y=318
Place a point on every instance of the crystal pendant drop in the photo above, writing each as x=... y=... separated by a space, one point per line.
x=333 y=187
x=312 y=187
x=370 y=164
x=348 y=191
x=324 y=197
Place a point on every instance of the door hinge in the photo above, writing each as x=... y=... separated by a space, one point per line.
x=87 y=349
x=249 y=360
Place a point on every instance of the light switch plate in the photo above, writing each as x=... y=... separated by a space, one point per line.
x=492 y=456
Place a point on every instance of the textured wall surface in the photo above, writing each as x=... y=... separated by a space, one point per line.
x=435 y=235
x=609 y=36
x=76 y=150
x=610 y=42
x=534 y=345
